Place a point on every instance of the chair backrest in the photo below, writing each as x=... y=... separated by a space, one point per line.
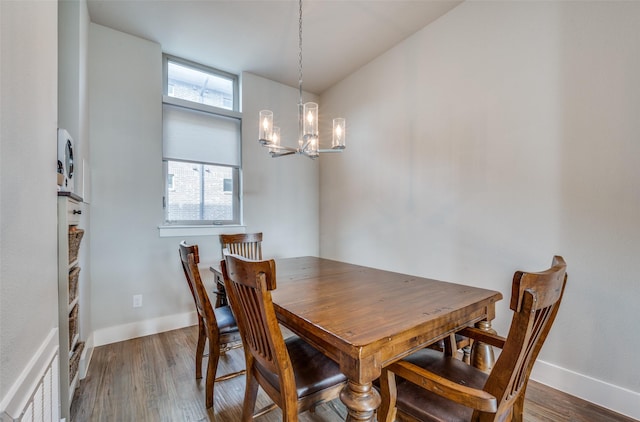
x=535 y=300
x=249 y=284
x=190 y=259
x=184 y=252
x=248 y=245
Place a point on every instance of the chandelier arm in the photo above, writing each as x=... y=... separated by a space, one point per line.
x=282 y=148
x=281 y=154
x=331 y=150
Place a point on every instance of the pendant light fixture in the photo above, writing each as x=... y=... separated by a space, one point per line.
x=308 y=135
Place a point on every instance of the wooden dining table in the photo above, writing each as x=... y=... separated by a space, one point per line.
x=365 y=318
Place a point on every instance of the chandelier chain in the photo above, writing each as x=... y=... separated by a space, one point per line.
x=300 y=49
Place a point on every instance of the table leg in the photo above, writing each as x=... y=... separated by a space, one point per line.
x=221 y=297
x=482 y=356
x=220 y=292
x=361 y=400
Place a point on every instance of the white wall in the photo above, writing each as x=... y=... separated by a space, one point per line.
x=496 y=137
x=127 y=255
x=28 y=234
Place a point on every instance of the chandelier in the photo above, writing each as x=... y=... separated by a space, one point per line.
x=308 y=135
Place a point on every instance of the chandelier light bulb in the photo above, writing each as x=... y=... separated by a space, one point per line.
x=275 y=139
x=266 y=126
x=339 y=132
x=311 y=119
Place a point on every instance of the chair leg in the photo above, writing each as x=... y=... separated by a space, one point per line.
x=212 y=367
x=518 y=406
x=250 y=396
x=450 y=346
x=289 y=410
x=202 y=337
x=389 y=394
x=466 y=354
x=265 y=410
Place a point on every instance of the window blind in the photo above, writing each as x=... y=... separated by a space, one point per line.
x=196 y=136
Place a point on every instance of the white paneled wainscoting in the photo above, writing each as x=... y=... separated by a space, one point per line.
x=34 y=397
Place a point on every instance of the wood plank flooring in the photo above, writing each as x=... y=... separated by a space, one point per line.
x=153 y=379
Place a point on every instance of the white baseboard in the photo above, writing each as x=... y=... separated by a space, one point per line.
x=143 y=328
x=613 y=397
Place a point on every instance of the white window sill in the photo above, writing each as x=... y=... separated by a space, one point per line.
x=183 y=231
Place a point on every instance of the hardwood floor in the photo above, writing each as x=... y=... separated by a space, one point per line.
x=153 y=379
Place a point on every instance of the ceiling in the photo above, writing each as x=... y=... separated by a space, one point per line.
x=261 y=36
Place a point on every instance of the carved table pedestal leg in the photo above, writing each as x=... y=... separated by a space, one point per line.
x=482 y=356
x=361 y=400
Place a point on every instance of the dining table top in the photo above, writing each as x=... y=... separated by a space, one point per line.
x=358 y=311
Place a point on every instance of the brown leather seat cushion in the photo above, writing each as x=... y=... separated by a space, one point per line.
x=427 y=406
x=226 y=321
x=312 y=370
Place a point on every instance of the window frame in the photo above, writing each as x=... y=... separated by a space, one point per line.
x=184 y=226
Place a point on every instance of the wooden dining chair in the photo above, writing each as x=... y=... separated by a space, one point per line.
x=248 y=245
x=434 y=386
x=217 y=325
x=294 y=375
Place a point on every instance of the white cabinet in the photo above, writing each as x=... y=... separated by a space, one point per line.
x=69 y=239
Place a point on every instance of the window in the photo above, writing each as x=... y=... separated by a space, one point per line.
x=201 y=144
x=202 y=195
x=200 y=84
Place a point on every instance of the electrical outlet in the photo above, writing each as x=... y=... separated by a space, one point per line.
x=137 y=301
